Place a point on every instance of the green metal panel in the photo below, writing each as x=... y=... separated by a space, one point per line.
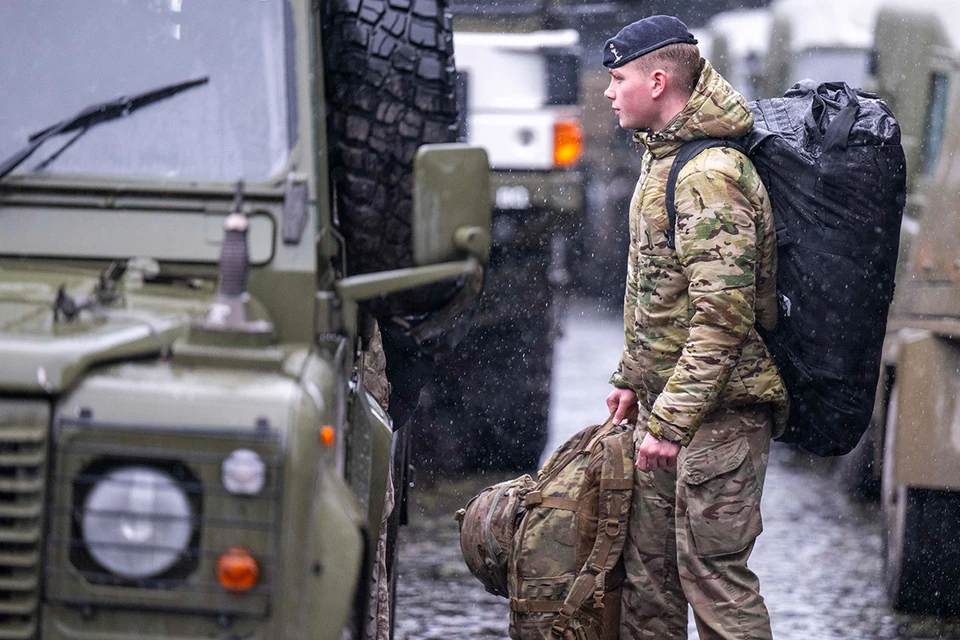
x=163 y=236
x=447 y=179
x=335 y=568
x=39 y=355
x=927 y=429
x=368 y=460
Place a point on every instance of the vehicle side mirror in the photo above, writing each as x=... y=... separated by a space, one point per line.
x=451 y=204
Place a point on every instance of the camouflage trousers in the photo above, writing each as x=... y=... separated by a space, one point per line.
x=692 y=530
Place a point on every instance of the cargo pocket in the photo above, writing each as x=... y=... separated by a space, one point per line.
x=723 y=498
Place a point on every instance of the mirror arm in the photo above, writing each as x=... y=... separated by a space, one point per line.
x=475 y=241
x=373 y=285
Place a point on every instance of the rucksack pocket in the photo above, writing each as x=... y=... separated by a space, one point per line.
x=538 y=626
x=722 y=494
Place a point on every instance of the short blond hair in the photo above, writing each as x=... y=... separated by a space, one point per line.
x=681 y=60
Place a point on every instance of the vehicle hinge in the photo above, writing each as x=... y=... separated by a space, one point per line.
x=294 y=208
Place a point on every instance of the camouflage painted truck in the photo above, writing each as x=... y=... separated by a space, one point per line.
x=187 y=445
x=917 y=413
x=488 y=405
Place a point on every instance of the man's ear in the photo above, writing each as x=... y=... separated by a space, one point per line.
x=659 y=78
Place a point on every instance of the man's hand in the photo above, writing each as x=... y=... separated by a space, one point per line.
x=623 y=403
x=654 y=454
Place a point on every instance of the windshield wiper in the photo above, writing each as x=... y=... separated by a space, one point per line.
x=94 y=115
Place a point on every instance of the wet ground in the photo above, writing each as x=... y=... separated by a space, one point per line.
x=819 y=558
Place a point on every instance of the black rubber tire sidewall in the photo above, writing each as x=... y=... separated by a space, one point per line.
x=923 y=557
x=390 y=82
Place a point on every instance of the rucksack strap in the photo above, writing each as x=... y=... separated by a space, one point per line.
x=688 y=151
x=537 y=499
x=493 y=547
x=525 y=605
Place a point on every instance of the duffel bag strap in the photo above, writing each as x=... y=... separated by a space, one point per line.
x=837 y=133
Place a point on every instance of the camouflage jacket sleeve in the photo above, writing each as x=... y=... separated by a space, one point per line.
x=618 y=381
x=716 y=244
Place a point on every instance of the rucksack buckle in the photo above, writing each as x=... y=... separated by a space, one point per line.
x=562 y=622
x=558 y=628
x=612 y=528
x=533 y=498
x=518 y=605
x=599 y=589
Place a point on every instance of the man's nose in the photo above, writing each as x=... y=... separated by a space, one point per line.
x=609 y=94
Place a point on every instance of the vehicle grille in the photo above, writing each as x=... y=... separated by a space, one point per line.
x=23 y=459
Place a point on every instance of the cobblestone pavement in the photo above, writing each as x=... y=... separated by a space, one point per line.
x=819 y=558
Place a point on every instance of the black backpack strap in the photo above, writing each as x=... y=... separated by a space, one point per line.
x=687 y=152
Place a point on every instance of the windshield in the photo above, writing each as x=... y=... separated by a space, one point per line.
x=60 y=56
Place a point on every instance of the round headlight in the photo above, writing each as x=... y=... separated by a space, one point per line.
x=136 y=522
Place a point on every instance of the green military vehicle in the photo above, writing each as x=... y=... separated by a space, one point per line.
x=187 y=445
x=916 y=415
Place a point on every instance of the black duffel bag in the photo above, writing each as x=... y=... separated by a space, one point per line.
x=831 y=160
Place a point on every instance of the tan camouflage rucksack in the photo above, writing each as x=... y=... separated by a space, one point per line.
x=488 y=525
x=557 y=544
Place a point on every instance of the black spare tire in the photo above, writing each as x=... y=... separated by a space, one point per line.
x=390 y=83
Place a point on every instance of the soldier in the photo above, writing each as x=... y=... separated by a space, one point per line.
x=695 y=374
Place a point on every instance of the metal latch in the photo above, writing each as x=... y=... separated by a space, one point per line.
x=294 y=208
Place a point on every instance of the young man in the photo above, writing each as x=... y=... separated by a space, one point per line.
x=694 y=374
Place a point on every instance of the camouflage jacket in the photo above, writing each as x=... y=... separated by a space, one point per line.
x=691 y=345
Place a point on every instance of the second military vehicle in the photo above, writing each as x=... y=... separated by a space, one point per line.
x=916 y=415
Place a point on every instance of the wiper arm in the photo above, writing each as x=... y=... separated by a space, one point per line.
x=96 y=114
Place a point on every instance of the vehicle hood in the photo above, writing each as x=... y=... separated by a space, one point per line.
x=41 y=355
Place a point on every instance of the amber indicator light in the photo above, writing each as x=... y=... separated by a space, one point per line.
x=327 y=435
x=567 y=142
x=237 y=570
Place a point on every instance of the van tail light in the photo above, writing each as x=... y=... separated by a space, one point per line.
x=567 y=143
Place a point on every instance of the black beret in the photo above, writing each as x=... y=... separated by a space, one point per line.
x=642 y=37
